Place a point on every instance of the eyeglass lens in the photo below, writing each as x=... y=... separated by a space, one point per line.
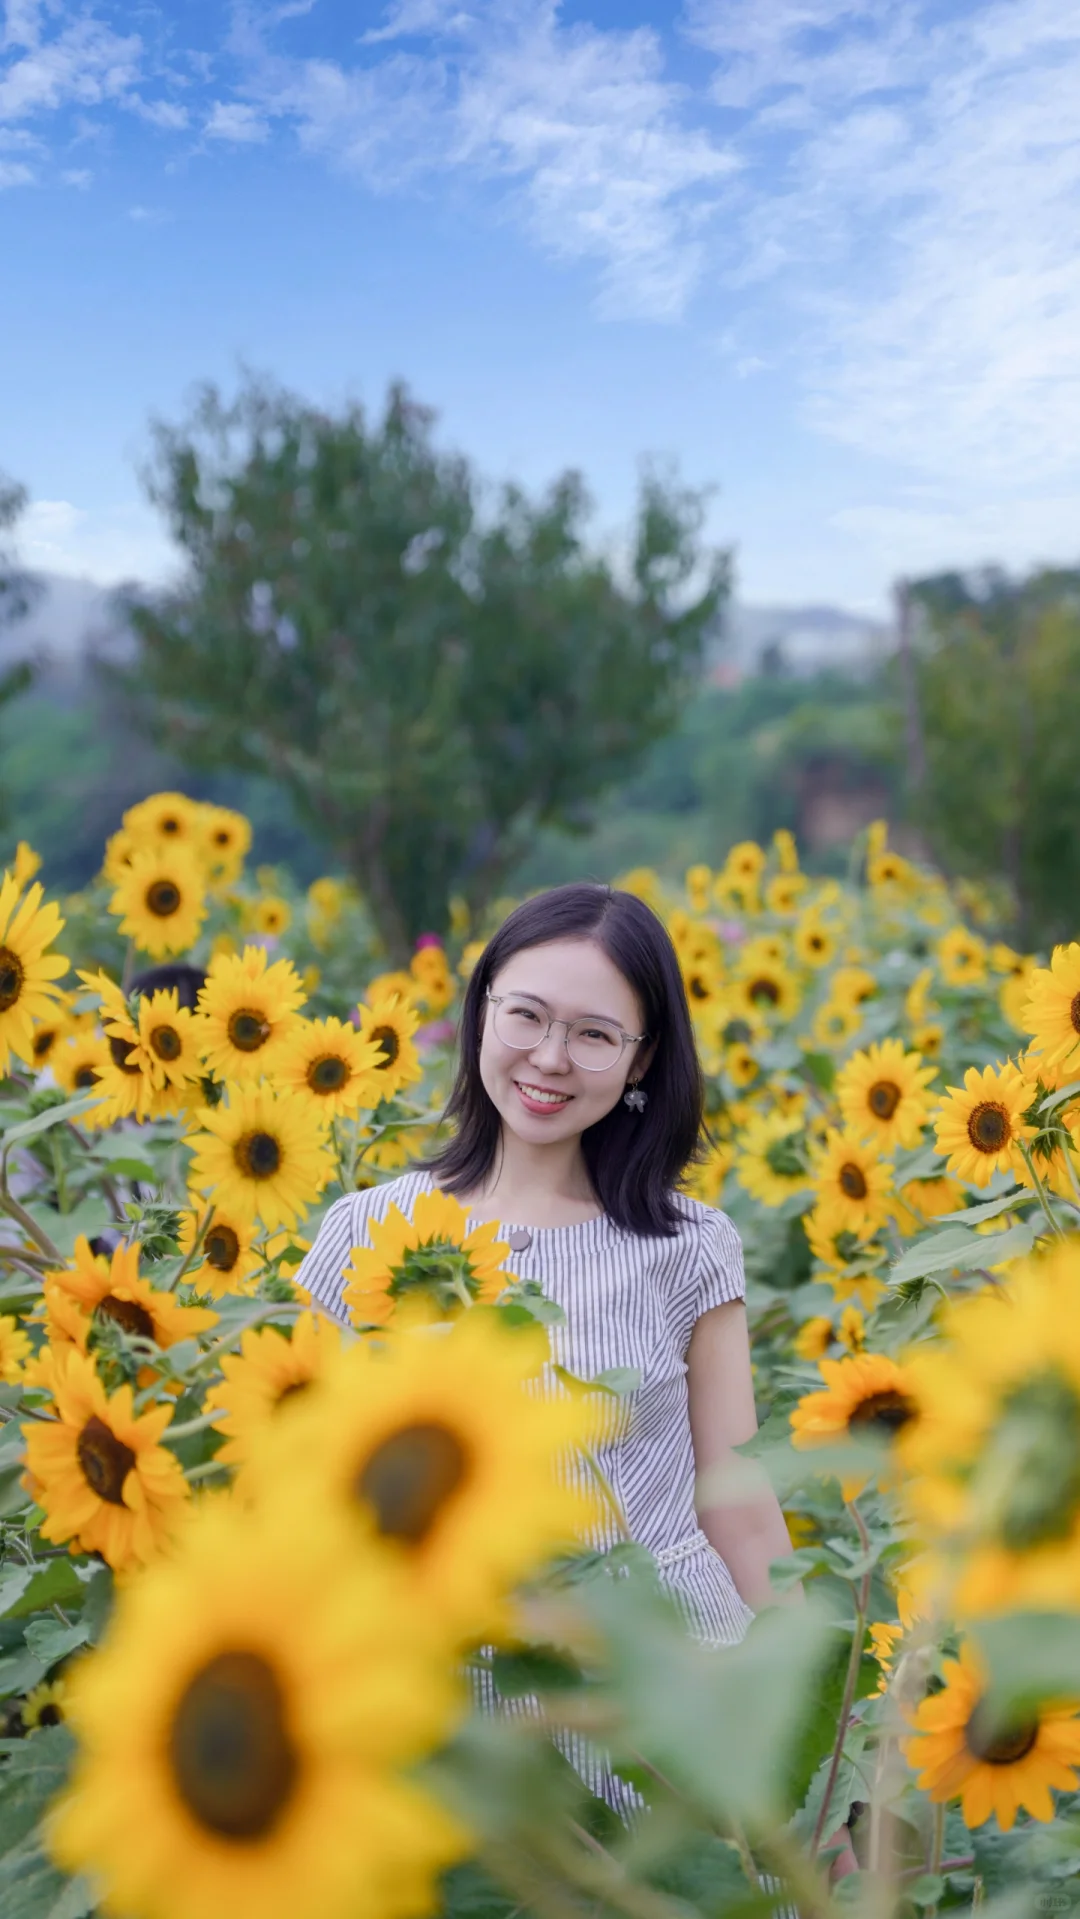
x=591 y=1043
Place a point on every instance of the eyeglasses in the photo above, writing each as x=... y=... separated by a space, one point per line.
x=524 y=1023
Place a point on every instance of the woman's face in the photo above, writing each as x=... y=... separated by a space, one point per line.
x=537 y=1089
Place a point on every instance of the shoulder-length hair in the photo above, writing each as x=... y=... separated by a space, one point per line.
x=635 y=1160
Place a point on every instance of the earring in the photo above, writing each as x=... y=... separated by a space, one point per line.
x=635 y=1098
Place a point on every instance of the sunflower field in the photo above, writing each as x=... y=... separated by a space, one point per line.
x=257 y=1568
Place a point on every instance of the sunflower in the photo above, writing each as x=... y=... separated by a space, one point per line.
x=27 y=971
x=705 y=1178
x=161 y=899
x=1052 y=1008
x=698 y=881
x=104 y=1289
x=271 y=1368
x=168 y=1035
x=741 y=1066
x=961 y=958
x=390 y=1021
x=917 y=997
x=120 y=848
x=852 y=1184
x=225 y=840
x=928 y=1039
x=48 y=1033
x=270 y=916
x=928 y=1199
x=772 y=1163
x=391 y=1150
x=78 y=1064
x=881 y=1094
x=746 y=861
x=438 y=1447
x=261 y=1155
x=783 y=893
x=227 y=1256
x=866 y=1395
x=164 y=816
x=244 y=1733
x=329 y=1065
x=98 y=1470
x=835 y=1023
x=814 y=1337
x=430 y=969
x=813 y=943
x=979 y=1125
x=889 y=872
x=995 y=1455
x=1013 y=996
x=959 y=1752
x=248 y=1012
x=434 y=1258
x=129 y=1077
x=765 y=949
x=767 y=988
x=46 y=1705
x=14 y=1350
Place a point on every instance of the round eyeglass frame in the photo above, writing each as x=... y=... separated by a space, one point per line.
x=628 y=1039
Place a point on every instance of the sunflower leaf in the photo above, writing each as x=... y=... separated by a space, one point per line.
x=1061 y=1097
x=57 y=1584
x=957 y=1249
x=41 y=1122
x=50 y=1642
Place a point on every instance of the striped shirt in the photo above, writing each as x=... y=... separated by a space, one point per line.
x=628 y=1301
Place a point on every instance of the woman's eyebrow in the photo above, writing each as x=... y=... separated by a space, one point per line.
x=608 y=1017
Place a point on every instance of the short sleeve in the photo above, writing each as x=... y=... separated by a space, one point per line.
x=712 y=1269
x=321 y=1269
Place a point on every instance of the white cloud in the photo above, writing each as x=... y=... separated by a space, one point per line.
x=232 y=120
x=13 y=173
x=78 y=177
x=167 y=114
x=85 y=64
x=106 y=544
x=940 y=532
x=147 y=216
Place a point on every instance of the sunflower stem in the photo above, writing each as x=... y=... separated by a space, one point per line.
x=203 y=1472
x=29 y=1225
x=611 y=1498
x=1054 y=1224
x=192 y=1254
x=858 y=1636
x=190 y=1427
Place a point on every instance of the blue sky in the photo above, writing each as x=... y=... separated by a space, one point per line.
x=825 y=255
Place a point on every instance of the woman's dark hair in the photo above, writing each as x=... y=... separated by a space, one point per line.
x=188 y=981
x=634 y=1159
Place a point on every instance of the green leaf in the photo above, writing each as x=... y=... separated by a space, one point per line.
x=50 y=1641
x=18 y=1672
x=957 y=1250
x=97 y=1605
x=926 y=1890
x=534 y=1669
x=57 y=1584
x=30 y=1885
x=44 y=1122
x=1031 y=1656
x=128 y=1168
x=1061 y=1097
x=975 y=1215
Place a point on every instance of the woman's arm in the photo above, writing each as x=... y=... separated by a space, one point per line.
x=750 y=1534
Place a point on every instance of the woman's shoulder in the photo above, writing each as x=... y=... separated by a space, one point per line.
x=373 y=1202
x=712 y=1269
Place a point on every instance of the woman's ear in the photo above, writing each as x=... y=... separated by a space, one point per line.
x=644 y=1060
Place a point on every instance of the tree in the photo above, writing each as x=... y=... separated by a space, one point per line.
x=431 y=685
x=997 y=664
x=18 y=591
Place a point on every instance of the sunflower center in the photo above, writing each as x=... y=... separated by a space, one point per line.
x=121 y=1050
x=996 y=1744
x=258 y=1155
x=782 y=1157
x=11 y=978
x=166 y=1042
x=44 y=1041
x=1028 y=1479
x=883 y=1098
x=698 y=987
x=233 y=1759
x=163 y=899
x=248 y=1030
x=1074 y=1012
x=85 y=1076
x=222 y=1247
x=388 y=1039
x=290 y=1391
x=128 y=1314
x=409 y=1478
x=170 y=823
x=764 y=989
x=328 y=1074
x=885 y=1411
x=105 y=1460
x=852 y=1180
x=222 y=837
x=989 y=1127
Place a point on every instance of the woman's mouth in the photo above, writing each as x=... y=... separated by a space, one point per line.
x=538 y=1099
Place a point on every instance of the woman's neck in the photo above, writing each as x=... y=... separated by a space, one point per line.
x=538 y=1186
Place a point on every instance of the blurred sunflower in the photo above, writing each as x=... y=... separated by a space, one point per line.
x=889 y=872
x=228 y=1257
x=995 y=1454
x=917 y=997
x=270 y=916
x=260 y=1155
x=979 y=1125
x=867 y=1395
x=436 y=1259
x=814 y=1337
x=390 y=1022
x=160 y=899
x=330 y=1066
x=45 y=1705
x=274 y=1365
x=78 y=1063
x=852 y=985
x=247 y=1013
x=928 y=1039
x=164 y=816
x=434 y=982
x=48 y=1033
x=882 y=1095
x=243 y=1735
x=741 y=1066
x=745 y=861
x=835 y=1023
x=442 y=1449
x=772 y=1162
x=225 y=839
x=98 y=1469
x=15 y=1350
x=927 y=1199
x=766 y=988
x=704 y=1180
x=783 y=893
x=698 y=882
x=27 y=971
x=119 y=849
x=993 y=1769
x=852 y=1183
x=813 y=942
x=961 y=958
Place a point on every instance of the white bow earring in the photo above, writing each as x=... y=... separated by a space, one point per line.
x=635 y=1098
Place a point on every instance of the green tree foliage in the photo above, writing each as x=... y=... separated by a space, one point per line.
x=429 y=682
x=17 y=594
x=998 y=677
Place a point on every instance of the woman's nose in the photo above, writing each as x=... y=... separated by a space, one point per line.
x=551 y=1055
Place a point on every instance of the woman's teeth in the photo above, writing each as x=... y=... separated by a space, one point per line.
x=541 y=1093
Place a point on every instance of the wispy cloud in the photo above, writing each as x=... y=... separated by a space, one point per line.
x=84 y=64
x=234 y=121
x=15 y=173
